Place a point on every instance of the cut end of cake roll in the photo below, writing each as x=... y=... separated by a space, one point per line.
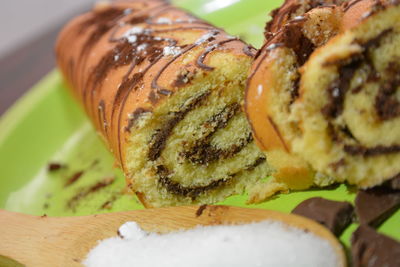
x=349 y=104
x=196 y=147
x=165 y=90
x=322 y=97
x=273 y=87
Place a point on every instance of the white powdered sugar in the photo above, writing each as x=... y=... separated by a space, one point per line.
x=172 y=51
x=189 y=20
x=134 y=30
x=205 y=37
x=267 y=243
x=130 y=34
x=131 y=38
x=273 y=46
x=141 y=47
x=211 y=47
x=164 y=20
x=259 y=90
x=131 y=230
x=127 y=11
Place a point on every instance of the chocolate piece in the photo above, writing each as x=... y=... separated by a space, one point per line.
x=371 y=249
x=334 y=215
x=375 y=205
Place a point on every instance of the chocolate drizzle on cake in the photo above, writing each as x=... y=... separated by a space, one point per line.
x=143 y=43
x=288 y=36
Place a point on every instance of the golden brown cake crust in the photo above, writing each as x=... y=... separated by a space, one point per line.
x=291 y=36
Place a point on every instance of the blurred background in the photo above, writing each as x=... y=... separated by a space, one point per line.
x=28 y=30
x=23 y=20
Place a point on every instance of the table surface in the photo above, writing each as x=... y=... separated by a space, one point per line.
x=27 y=64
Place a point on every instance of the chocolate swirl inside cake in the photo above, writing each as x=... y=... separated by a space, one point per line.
x=356 y=79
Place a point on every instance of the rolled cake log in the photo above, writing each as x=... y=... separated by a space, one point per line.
x=349 y=105
x=274 y=86
x=165 y=90
x=337 y=118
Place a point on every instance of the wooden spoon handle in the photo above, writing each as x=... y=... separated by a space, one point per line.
x=29 y=239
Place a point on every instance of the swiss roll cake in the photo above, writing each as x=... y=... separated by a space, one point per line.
x=165 y=91
x=273 y=87
x=325 y=106
x=349 y=105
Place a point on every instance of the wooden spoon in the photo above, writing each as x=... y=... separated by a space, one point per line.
x=65 y=241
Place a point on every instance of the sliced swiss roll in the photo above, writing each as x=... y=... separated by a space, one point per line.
x=272 y=89
x=334 y=116
x=165 y=90
x=348 y=110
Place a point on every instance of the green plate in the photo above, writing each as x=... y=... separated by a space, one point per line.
x=47 y=126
